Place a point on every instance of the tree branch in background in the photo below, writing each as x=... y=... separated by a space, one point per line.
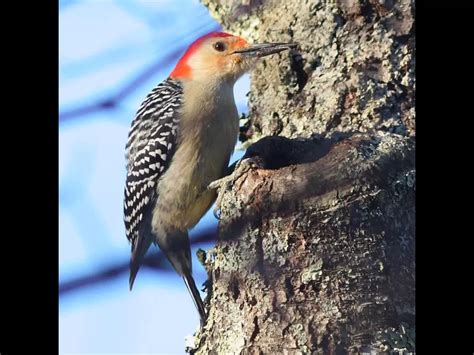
x=155 y=260
x=113 y=100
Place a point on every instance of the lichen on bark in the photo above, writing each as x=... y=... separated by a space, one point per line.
x=317 y=233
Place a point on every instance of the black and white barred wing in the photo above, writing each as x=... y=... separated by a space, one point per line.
x=149 y=150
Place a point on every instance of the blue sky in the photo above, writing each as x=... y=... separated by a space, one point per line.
x=103 y=45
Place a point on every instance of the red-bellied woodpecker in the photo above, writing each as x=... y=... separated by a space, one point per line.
x=180 y=141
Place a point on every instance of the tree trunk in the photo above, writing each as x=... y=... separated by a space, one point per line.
x=316 y=249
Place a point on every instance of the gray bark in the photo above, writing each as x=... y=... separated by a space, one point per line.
x=317 y=231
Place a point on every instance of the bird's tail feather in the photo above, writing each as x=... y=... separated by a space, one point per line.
x=137 y=256
x=191 y=285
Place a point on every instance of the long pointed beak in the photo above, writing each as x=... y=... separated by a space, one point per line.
x=264 y=49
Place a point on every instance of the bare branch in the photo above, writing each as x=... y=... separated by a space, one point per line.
x=154 y=261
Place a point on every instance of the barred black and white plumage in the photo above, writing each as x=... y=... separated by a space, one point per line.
x=180 y=142
x=149 y=150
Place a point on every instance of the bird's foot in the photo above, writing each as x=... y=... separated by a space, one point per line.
x=236 y=171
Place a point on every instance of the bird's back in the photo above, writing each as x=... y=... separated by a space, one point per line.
x=149 y=151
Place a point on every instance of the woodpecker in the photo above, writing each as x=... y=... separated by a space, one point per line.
x=180 y=141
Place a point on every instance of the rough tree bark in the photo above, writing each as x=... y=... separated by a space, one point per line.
x=316 y=249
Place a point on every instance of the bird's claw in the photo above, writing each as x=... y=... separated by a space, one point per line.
x=241 y=167
x=218 y=184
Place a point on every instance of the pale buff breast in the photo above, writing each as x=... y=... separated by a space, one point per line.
x=207 y=140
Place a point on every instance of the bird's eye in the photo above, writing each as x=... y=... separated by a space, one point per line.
x=219 y=46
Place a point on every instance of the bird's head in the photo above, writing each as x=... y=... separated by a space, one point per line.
x=222 y=56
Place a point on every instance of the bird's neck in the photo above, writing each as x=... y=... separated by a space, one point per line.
x=207 y=96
